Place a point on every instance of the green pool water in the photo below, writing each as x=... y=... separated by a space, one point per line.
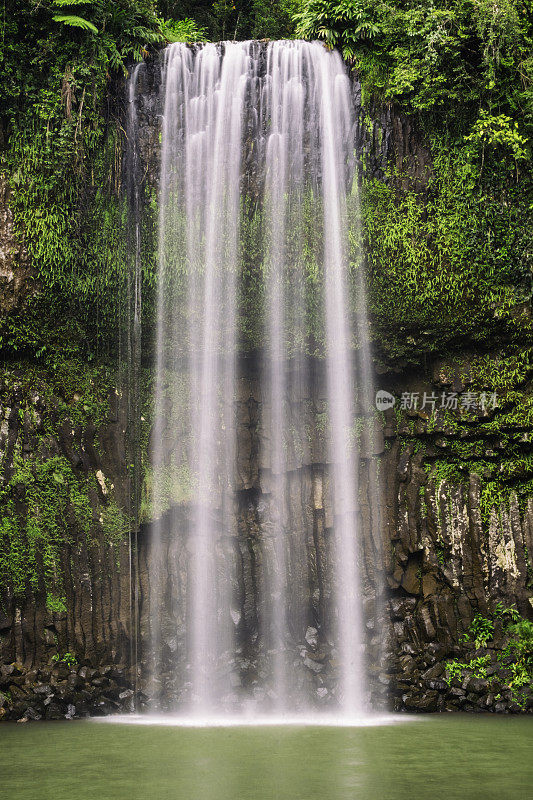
x=448 y=756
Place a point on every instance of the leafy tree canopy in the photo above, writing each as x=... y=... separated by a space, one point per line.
x=438 y=56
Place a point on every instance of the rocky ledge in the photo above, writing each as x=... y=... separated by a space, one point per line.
x=477 y=675
x=63 y=691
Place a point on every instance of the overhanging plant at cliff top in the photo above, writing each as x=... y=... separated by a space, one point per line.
x=434 y=56
x=137 y=22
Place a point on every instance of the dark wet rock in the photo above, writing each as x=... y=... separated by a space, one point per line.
x=456 y=691
x=433 y=672
x=43 y=688
x=74 y=681
x=314 y=666
x=477 y=685
x=54 y=711
x=69 y=698
x=120 y=676
x=61 y=672
x=17 y=692
x=401 y=607
x=439 y=686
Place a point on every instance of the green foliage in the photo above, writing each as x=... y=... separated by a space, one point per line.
x=57 y=605
x=75 y=22
x=476 y=666
x=62 y=150
x=237 y=19
x=345 y=24
x=115 y=524
x=432 y=258
x=481 y=630
x=68 y=659
x=510 y=616
x=518 y=656
x=452 y=257
x=228 y=17
x=498 y=132
x=71 y=221
x=514 y=658
x=439 y=471
x=46 y=504
x=521 y=647
x=274 y=19
x=430 y=54
x=515 y=667
x=495 y=445
x=185 y=30
x=522 y=631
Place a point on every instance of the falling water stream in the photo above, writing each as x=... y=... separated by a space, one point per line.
x=277 y=117
x=283 y=109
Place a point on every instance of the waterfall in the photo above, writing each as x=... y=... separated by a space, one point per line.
x=334 y=125
x=256 y=138
x=283 y=110
x=133 y=338
x=198 y=253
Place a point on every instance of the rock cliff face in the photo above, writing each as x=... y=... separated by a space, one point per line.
x=452 y=552
x=65 y=602
x=16 y=275
x=451 y=538
x=435 y=552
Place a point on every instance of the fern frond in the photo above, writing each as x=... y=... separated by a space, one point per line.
x=75 y=22
x=115 y=59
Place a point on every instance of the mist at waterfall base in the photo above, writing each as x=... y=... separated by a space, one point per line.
x=248 y=126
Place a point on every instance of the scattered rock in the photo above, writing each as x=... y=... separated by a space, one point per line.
x=311 y=637
x=314 y=666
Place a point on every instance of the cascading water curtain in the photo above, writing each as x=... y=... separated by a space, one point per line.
x=130 y=344
x=259 y=137
x=199 y=256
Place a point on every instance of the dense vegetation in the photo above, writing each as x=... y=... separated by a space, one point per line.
x=61 y=138
x=237 y=19
x=462 y=70
x=428 y=55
